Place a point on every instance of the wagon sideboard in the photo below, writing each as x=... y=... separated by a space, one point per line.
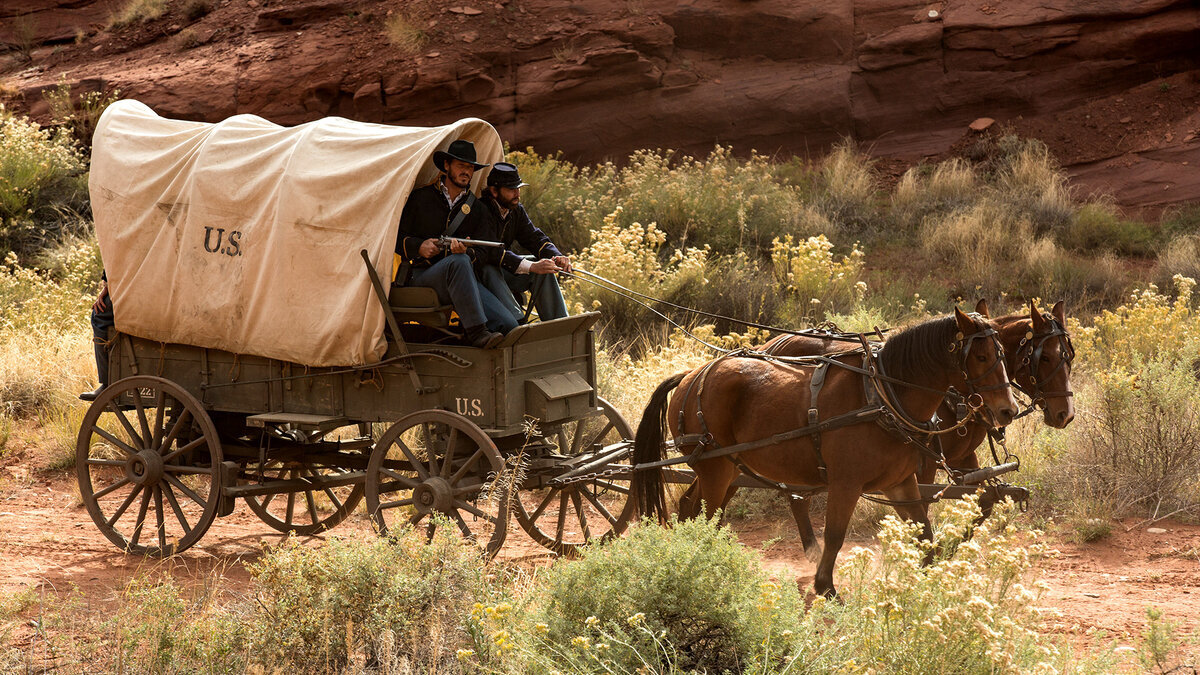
x=543 y=370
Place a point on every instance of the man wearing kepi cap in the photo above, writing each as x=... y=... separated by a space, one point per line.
x=504 y=272
x=446 y=208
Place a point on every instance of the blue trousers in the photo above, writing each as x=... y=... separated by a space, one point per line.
x=453 y=277
x=547 y=296
x=101 y=322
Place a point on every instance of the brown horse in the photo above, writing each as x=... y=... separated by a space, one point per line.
x=1038 y=355
x=745 y=412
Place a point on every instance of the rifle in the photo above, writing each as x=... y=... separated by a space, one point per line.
x=444 y=242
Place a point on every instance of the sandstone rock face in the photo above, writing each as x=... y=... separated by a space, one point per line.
x=600 y=78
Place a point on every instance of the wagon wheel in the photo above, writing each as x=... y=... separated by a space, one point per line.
x=566 y=516
x=309 y=511
x=434 y=461
x=149 y=474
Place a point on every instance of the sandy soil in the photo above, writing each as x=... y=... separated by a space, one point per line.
x=49 y=541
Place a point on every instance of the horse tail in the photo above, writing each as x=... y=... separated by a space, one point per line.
x=647 y=485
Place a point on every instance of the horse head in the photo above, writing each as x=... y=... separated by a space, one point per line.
x=1041 y=366
x=981 y=366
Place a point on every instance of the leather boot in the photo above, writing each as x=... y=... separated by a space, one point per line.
x=480 y=336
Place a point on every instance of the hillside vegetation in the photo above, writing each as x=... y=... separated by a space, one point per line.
x=787 y=243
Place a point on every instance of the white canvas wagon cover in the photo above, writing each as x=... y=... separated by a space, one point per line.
x=245 y=236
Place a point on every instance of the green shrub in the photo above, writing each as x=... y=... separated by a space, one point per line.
x=1182 y=219
x=1138 y=451
x=1095 y=227
x=845 y=193
x=42 y=181
x=688 y=596
x=319 y=608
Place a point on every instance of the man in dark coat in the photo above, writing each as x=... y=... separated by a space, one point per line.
x=446 y=207
x=102 y=320
x=504 y=272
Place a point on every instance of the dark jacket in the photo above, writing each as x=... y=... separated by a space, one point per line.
x=427 y=215
x=515 y=227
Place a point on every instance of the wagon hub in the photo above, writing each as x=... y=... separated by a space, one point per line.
x=435 y=494
x=144 y=468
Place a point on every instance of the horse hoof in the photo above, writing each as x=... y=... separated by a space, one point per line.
x=813 y=553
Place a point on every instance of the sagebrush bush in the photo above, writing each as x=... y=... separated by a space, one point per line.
x=817 y=281
x=319 y=608
x=42 y=183
x=1151 y=325
x=137 y=11
x=403 y=32
x=970 y=612
x=1181 y=256
x=1137 y=452
x=688 y=595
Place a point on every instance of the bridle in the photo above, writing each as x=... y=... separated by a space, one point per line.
x=1029 y=355
x=963 y=345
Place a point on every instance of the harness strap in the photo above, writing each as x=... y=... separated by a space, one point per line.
x=814 y=390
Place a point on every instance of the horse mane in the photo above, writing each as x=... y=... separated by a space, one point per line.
x=921 y=349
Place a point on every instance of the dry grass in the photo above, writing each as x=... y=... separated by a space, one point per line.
x=403 y=31
x=137 y=11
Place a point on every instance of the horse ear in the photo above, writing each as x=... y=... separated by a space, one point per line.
x=981 y=308
x=965 y=324
x=1035 y=316
x=1060 y=313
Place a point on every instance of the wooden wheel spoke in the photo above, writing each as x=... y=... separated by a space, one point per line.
x=267 y=500
x=395 y=504
x=417 y=464
x=291 y=508
x=106 y=462
x=463 y=526
x=159 y=406
x=603 y=431
x=562 y=516
x=141 y=519
x=415 y=518
x=577 y=502
x=563 y=445
x=117 y=485
x=406 y=481
x=143 y=424
x=186 y=448
x=129 y=449
x=430 y=451
x=448 y=459
x=178 y=485
x=183 y=523
x=577 y=438
x=462 y=471
x=474 y=510
x=545 y=502
x=595 y=501
x=312 y=507
x=337 y=503
x=133 y=435
x=124 y=505
x=176 y=427
x=162 y=523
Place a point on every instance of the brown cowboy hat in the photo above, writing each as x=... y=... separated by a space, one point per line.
x=463 y=151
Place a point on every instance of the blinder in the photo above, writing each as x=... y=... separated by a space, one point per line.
x=1030 y=355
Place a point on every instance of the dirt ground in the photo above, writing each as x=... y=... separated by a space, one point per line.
x=48 y=541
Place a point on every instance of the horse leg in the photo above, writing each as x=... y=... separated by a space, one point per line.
x=839 y=509
x=916 y=510
x=799 y=506
x=689 y=502
x=715 y=478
